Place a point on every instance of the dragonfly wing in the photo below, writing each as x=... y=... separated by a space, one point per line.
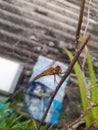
x=49 y=71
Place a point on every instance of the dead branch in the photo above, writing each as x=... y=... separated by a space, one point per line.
x=82 y=116
x=86 y=28
x=79 y=23
x=70 y=67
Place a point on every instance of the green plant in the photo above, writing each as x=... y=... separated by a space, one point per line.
x=94 y=89
x=62 y=115
x=93 y=114
x=12 y=121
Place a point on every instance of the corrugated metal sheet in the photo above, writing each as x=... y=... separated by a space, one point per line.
x=32 y=27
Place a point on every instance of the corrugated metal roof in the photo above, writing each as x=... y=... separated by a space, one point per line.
x=33 y=27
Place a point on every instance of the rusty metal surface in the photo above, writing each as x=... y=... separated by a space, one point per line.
x=33 y=27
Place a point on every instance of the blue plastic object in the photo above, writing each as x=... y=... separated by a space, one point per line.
x=39 y=93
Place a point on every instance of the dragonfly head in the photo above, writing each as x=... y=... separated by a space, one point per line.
x=58 y=69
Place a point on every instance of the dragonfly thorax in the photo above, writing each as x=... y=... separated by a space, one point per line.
x=58 y=69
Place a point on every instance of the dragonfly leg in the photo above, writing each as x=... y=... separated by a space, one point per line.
x=55 y=81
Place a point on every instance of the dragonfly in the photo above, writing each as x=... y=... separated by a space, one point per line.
x=49 y=71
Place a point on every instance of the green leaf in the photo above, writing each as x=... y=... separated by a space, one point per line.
x=13 y=122
x=95 y=99
x=26 y=125
x=82 y=87
x=80 y=79
x=2 y=123
x=3 y=110
x=4 y=100
x=81 y=37
x=91 y=69
x=94 y=91
x=44 y=127
x=62 y=115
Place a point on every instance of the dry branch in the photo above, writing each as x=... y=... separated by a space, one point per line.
x=70 y=67
x=79 y=23
x=81 y=116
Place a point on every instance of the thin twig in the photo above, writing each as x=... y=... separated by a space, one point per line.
x=86 y=50
x=79 y=24
x=70 y=67
x=81 y=116
x=86 y=28
x=88 y=17
x=79 y=28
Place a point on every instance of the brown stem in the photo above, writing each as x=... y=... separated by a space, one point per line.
x=81 y=117
x=79 y=23
x=65 y=75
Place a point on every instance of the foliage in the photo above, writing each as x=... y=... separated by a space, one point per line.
x=62 y=115
x=80 y=79
x=94 y=89
x=91 y=70
x=44 y=127
x=12 y=121
x=93 y=114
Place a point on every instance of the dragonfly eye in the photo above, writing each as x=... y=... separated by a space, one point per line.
x=58 y=69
